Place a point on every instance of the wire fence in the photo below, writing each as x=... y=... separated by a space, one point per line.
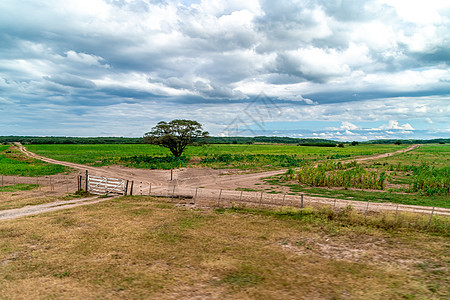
x=57 y=183
x=206 y=197
x=200 y=196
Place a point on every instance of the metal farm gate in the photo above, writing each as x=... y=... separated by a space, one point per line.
x=105 y=186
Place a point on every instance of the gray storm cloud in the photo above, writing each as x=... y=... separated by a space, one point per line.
x=67 y=56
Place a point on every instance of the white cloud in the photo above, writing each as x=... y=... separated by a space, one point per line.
x=312 y=63
x=345 y=126
x=348 y=132
x=87 y=59
x=348 y=126
x=393 y=124
x=418 y=11
x=349 y=60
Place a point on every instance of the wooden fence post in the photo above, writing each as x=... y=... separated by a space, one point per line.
x=367 y=209
x=131 y=189
x=195 y=196
x=173 y=191
x=301 y=201
x=126 y=188
x=260 y=199
x=431 y=217
x=87 y=180
x=220 y=196
x=150 y=188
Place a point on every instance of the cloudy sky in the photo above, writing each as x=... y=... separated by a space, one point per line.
x=343 y=69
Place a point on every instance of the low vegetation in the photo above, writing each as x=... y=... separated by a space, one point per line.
x=426 y=179
x=251 y=161
x=252 y=157
x=430 y=180
x=141 y=247
x=152 y=162
x=418 y=177
x=17 y=187
x=332 y=174
x=319 y=144
x=14 y=162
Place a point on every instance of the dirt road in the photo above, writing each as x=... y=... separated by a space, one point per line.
x=189 y=177
x=214 y=183
x=47 y=207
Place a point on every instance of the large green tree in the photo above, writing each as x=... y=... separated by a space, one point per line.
x=176 y=135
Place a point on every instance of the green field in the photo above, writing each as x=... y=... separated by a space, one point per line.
x=435 y=154
x=252 y=157
x=17 y=187
x=425 y=170
x=13 y=162
x=417 y=177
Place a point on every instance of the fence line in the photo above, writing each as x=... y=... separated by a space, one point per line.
x=219 y=197
x=48 y=183
x=222 y=198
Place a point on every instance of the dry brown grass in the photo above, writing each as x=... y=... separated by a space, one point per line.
x=20 y=199
x=142 y=247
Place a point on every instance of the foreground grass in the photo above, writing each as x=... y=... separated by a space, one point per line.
x=12 y=198
x=255 y=157
x=140 y=247
x=15 y=199
x=14 y=162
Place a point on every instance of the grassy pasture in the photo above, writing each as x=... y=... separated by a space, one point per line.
x=14 y=162
x=18 y=187
x=425 y=170
x=417 y=177
x=434 y=154
x=253 y=157
x=141 y=247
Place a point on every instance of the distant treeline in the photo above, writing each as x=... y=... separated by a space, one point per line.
x=432 y=141
x=212 y=140
x=125 y=140
x=320 y=144
x=70 y=140
x=265 y=139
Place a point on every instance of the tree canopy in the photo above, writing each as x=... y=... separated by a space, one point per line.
x=176 y=135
